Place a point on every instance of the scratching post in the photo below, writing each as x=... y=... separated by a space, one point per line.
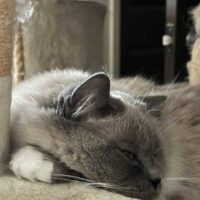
x=6 y=27
x=18 y=61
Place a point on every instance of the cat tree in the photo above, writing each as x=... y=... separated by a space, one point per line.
x=6 y=27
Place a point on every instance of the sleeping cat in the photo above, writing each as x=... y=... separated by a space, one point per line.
x=128 y=135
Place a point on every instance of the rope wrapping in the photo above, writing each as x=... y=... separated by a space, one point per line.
x=18 y=67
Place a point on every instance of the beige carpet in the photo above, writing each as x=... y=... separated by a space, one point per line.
x=13 y=189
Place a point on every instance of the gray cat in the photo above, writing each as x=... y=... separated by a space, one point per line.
x=128 y=136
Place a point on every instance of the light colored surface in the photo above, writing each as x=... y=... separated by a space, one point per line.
x=196 y=18
x=193 y=65
x=194 y=73
x=14 y=189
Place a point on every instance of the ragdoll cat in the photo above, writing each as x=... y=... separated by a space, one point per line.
x=129 y=136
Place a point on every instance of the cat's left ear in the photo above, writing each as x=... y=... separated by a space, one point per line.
x=154 y=103
x=89 y=95
x=97 y=85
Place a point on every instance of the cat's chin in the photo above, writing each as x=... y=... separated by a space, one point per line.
x=139 y=194
x=74 y=176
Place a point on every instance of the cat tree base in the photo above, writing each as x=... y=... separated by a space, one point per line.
x=14 y=189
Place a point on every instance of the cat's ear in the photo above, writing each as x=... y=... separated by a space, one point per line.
x=154 y=103
x=98 y=85
x=91 y=94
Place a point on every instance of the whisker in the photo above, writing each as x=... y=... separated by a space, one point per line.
x=105 y=185
x=88 y=182
x=182 y=177
x=65 y=179
x=192 y=178
x=73 y=177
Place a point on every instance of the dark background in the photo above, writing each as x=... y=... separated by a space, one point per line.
x=143 y=24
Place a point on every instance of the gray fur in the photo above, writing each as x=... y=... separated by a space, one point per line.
x=94 y=135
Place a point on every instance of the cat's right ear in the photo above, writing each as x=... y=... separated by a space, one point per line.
x=89 y=95
x=154 y=104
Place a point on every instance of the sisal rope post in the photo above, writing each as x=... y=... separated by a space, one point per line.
x=18 y=62
x=7 y=10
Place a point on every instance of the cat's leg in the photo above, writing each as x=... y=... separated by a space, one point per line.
x=34 y=165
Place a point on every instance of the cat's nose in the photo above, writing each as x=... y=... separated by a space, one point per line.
x=155 y=182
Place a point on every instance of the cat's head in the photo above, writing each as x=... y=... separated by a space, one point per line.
x=112 y=137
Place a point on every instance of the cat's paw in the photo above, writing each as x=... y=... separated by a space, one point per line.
x=30 y=164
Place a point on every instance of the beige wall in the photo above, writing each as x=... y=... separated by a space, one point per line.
x=104 y=2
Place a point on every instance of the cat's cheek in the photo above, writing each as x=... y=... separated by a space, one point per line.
x=30 y=164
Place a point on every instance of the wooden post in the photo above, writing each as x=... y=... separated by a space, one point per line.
x=114 y=37
x=7 y=8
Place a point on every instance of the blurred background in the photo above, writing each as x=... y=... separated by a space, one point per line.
x=152 y=38
x=156 y=37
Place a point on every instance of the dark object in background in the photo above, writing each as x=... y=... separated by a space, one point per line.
x=142 y=28
x=143 y=25
x=191 y=37
x=177 y=54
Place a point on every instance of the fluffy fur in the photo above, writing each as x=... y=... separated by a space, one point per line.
x=122 y=137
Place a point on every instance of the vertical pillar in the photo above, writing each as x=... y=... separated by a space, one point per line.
x=6 y=39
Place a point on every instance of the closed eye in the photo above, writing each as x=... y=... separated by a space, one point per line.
x=130 y=155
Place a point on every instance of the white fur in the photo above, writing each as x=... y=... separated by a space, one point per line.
x=30 y=164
